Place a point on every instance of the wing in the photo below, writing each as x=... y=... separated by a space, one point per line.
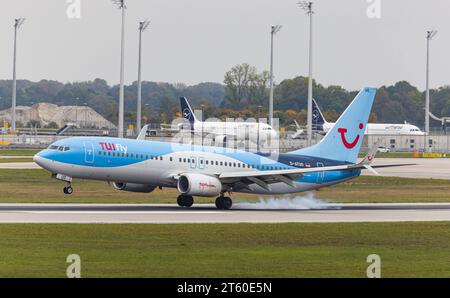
x=265 y=178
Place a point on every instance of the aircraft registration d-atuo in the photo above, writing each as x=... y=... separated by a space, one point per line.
x=207 y=171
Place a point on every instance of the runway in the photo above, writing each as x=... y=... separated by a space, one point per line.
x=172 y=214
x=436 y=168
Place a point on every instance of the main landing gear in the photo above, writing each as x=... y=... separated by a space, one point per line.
x=224 y=203
x=185 y=201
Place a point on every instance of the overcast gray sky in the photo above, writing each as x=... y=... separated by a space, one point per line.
x=192 y=41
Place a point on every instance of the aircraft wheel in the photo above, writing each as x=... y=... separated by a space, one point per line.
x=227 y=203
x=224 y=203
x=185 y=201
x=219 y=203
x=188 y=201
x=68 y=190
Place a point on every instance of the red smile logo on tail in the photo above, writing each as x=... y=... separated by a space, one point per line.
x=349 y=145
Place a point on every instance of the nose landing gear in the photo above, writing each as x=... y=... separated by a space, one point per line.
x=68 y=190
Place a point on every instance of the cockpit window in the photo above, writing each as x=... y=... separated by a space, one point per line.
x=59 y=148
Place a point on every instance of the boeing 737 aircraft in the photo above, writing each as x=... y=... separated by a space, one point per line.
x=222 y=131
x=321 y=125
x=141 y=166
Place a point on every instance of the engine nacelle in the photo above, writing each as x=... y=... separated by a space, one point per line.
x=199 y=185
x=219 y=140
x=133 y=187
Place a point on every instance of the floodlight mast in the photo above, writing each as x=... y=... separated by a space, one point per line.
x=307 y=6
x=17 y=23
x=142 y=26
x=430 y=35
x=121 y=5
x=273 y=31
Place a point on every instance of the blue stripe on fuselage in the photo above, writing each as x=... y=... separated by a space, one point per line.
x=78 y=146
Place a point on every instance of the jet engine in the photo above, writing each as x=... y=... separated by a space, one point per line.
x=133 y=187
x=199 y=185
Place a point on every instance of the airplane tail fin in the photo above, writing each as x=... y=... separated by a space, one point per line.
x=318 y=120
x=143 y=132
x=344 y=140
x=187 y=111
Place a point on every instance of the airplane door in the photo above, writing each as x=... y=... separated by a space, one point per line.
x=193 y=162
x=320 y=175
x=89 y=152
x=201 y=162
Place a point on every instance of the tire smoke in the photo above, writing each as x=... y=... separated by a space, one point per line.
x=306 y=202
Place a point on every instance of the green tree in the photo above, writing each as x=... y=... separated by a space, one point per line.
x=245 y=86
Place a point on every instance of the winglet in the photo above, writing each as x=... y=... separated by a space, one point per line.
x=370 y=155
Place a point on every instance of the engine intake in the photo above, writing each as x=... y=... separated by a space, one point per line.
x=199 y=185
x=133 y=187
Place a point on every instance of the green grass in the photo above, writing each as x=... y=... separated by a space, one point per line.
x=217 y=250
x=18 y=152
x=9 y=160
x=36 y=186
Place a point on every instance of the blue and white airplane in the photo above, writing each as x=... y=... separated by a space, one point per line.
x=141 y=166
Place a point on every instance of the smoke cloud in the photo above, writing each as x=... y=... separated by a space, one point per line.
x=306 y=202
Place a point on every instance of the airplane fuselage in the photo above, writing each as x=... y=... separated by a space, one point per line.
x=158 y=163
x=384 y=129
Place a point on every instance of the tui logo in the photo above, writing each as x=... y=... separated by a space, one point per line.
x=347 y=144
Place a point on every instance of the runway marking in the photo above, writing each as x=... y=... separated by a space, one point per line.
x=115 y=212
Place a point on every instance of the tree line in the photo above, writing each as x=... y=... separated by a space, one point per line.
x=244 y=93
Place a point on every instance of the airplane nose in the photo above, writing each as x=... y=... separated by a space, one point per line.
x=38 y=159
x=42 y=161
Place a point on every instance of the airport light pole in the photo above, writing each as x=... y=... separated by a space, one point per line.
x=273 y=31
x=121 y=5
x=17 y=23
x=307 y=6
x=430 y=35
x=142 y=26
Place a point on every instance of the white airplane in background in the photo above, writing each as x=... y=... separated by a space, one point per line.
x=321 y=125
x=221 y=131
x=206 y=171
